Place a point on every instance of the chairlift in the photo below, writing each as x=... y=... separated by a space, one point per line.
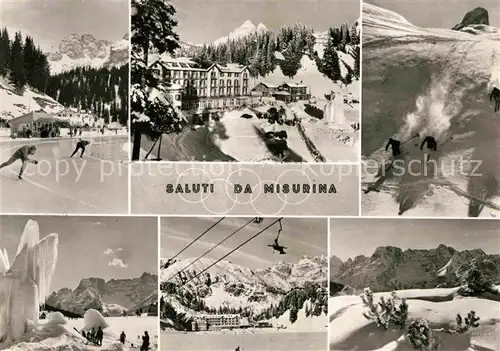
x=276 y=246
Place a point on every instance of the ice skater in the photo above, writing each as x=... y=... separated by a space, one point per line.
x=495 y=94
x=80 y=146
x=431 y=146
x=23 y=154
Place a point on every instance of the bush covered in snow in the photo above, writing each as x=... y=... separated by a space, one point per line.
x=393 y=312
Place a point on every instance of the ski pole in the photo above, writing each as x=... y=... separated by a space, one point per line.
x=450 y=138
x=413 y=137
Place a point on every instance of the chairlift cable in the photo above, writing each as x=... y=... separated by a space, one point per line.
x=196 y=239
x=213 y=248
x=236 y=248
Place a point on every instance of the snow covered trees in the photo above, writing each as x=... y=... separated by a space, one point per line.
x=22 y=62
x=104 y=91
x=152 y=30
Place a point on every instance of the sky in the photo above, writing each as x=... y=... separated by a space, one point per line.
x=102 y=247
x=302 y=236
x=353 y=237
x=205 y=21
x=48 y=22
x=441 y=13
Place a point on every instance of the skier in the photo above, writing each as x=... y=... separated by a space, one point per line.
x=122 y=337
x=23 y=154
x=431 y=146
x=80 y=145
x=145 y=342
x=495 y=94
x=395 y=146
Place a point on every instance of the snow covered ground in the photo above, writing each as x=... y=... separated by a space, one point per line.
x=350 y=330
x=14 y=105
x=241 y=138
x=65 y=337
x=432 y=82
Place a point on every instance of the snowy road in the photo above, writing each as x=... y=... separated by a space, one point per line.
x=96 y=183
x=190 y=145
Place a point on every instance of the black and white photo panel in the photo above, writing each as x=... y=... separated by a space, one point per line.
x=414 y=284
x=243 y=283
x=274 y=82
x=78 y=283
x=64 y=92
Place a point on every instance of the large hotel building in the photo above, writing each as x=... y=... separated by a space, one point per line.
x=207 y=89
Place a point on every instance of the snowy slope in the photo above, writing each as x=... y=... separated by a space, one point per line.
x=13 y=105
x=437 y=82
x=350 y=330
x=235 y=286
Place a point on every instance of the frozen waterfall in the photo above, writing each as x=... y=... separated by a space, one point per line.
x=25 y=284
x=334 y=112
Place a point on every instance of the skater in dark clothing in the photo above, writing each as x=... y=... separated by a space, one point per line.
x=395 y=146
x=80 y=145
x=145 y=342
x=431 y=146
x=122 y=337
x=495 y=94
x=23 y=154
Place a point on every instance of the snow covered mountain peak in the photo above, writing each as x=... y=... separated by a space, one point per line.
x=85 y=50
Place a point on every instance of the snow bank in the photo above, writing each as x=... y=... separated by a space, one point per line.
x=56 y=318
x=350 y=330
x=303 y=323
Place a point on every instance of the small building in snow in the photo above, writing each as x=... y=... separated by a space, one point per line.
x=265 y=89
x=76 y=117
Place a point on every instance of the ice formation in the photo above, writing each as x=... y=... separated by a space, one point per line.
x=334 y=111
x=25 y=284
x=94 y=319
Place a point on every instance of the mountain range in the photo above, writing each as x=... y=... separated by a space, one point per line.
x=112 y=297
x=84 y=50
x=391 y=268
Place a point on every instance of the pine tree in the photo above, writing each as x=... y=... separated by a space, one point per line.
x=153 y=29
x=4 y=52
x=293 y=315
x=330 y=66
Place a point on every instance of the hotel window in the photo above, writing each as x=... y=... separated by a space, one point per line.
x=222 y=74
x=236 y=83
x=221 y=82
x=228 y=91
x=212 y=75
x=229 y=82
x=229 y=75
x=245 y=75
x=221 y=91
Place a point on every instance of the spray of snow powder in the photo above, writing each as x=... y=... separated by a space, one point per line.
x=435 y=109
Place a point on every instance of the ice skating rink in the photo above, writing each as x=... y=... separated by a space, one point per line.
x=96 y=183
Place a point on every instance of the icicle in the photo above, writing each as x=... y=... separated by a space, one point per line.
x=30 y=236
x=47 y=259
x=4 y=262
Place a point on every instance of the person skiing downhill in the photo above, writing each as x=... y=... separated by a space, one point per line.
x=23 y=154
x=80 y=145
x=431 y=145
x=395 y=146
x=495 y=94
